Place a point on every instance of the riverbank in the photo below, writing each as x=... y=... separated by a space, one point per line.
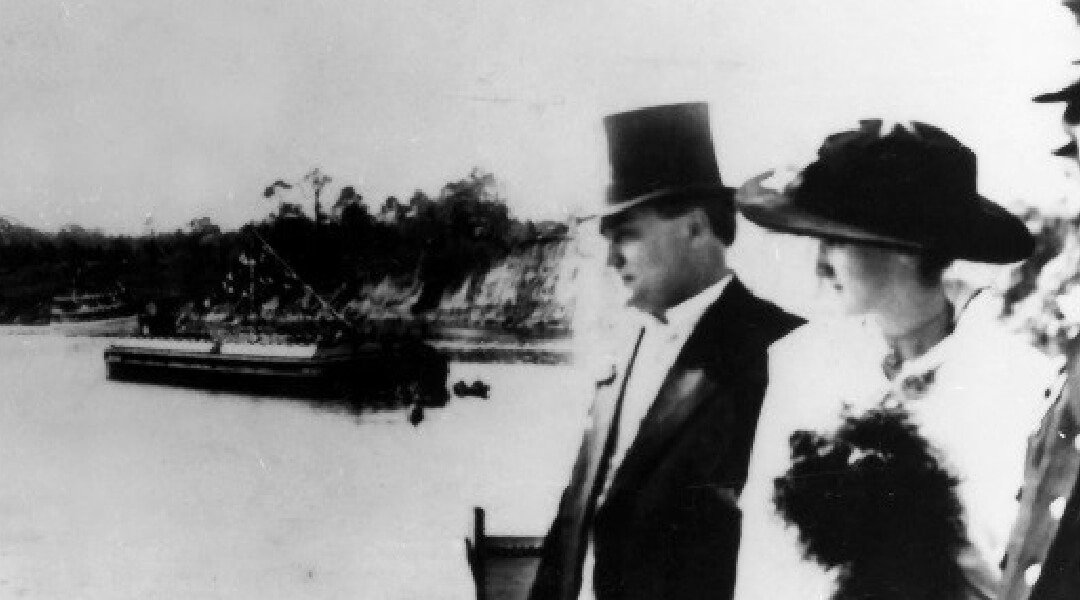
x=118 y=491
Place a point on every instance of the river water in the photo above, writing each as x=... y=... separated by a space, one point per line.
x=118 y=491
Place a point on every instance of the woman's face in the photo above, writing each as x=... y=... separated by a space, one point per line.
x=863 y=278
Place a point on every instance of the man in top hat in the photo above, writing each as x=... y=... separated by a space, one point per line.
x=650 y=511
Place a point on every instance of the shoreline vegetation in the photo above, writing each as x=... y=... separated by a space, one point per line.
x=456 y=268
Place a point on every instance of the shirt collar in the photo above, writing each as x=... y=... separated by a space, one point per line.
x=686 y=314
x=978 y=313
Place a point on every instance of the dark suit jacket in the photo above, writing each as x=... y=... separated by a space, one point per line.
x=669 y=526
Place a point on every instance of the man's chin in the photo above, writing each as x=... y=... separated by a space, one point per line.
x=645 y=307
x=848 y=309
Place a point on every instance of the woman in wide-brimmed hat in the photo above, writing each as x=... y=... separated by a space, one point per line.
x=890 y=447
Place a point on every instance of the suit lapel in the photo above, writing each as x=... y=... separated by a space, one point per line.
x=706 y=361
x=610 y=386
x=608 y=392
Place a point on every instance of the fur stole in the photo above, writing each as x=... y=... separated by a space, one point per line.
x=872 y=501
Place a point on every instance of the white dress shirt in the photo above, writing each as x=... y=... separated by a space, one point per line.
x=660 y=346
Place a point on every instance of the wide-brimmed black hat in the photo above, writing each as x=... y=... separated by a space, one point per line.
x=662 y=153
x=912 y=188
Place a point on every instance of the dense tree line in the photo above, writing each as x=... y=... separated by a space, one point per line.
x=435 y=241
x=1042 y=299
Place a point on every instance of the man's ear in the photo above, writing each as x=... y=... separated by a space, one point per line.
x=909 y=262
x=697 y=223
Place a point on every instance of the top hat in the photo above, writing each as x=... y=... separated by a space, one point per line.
x=913 y=188
x=662 y=153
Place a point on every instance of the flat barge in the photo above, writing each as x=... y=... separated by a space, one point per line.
x=377 y=371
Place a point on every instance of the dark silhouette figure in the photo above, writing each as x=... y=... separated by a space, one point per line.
x=416 y=415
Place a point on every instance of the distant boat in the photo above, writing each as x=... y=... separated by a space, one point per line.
x=92 y=314
x=109 y=327
x=80 y=308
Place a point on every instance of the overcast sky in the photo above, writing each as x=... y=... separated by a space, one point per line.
x=113 y=112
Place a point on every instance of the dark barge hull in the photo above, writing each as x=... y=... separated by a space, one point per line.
x=274 y=375
x=363 y=374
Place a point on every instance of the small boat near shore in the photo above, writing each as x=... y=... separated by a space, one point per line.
x=78 y=308
x=108 y=327
x=92 y=314
x=115 y=327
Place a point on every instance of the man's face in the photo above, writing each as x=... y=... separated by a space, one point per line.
x=651 y=256
x=862 y=277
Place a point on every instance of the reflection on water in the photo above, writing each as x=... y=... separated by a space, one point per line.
x=116 y=490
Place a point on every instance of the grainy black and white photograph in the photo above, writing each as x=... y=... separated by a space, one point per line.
x=510 y=299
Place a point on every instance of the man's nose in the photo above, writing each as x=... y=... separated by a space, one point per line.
x=824 y=270
x=822 y=267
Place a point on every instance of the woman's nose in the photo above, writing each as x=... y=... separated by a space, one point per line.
x=615 y=259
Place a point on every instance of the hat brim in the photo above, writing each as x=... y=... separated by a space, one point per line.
x=1001 y=238
x=1050 y=97
x=782 y=215
x=1069 y=150
x=1065 y=94
x=706 y=192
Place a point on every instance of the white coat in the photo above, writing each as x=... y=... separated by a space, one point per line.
x=985 y=395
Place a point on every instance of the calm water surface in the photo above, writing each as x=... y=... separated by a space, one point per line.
x=122 y=491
